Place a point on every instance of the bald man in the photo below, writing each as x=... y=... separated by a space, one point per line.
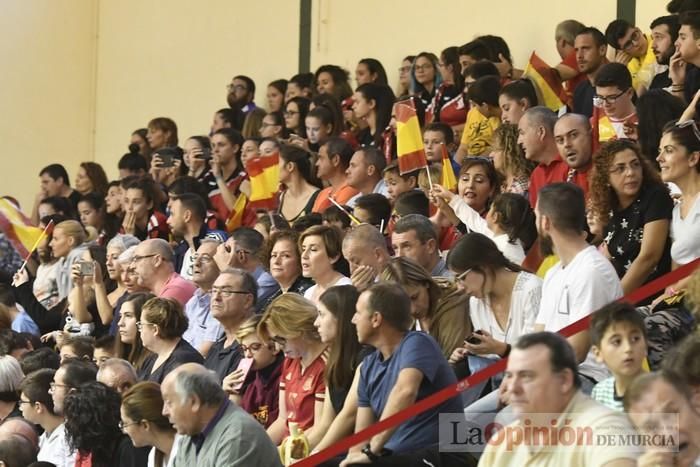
x=573 y=137
x=153 y=262
x=365 y=249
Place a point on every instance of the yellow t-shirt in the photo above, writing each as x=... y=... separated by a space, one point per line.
x=478 y=132
x=643 y=69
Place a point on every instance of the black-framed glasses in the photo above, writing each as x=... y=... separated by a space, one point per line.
x=633 y=40
x=254 y=347
x=598 y=100
x=620 y=169
x=141 y=324
x=692 y=124
x=227 y=293
x=53 y=386
x=123 y=425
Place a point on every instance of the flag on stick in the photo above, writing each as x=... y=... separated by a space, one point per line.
x=18 y=228
x=448 y=179
x=547 y=82
x=409 y=139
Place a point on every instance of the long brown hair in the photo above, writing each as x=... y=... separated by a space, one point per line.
x=345 y=349
x=134 y=353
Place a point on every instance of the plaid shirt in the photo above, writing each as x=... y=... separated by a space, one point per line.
x=604 y=392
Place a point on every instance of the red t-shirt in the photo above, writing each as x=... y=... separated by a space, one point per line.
x=570 y=84
x=302 y=390
x=543 y=175
x=342 y=195
x=217 y=201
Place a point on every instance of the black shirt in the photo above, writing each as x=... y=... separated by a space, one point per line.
x=182 y=353
x=583 y=98
x=660 y=81
x=625 y=230
x=692 y=82
x=223 y=360
x=300 y=285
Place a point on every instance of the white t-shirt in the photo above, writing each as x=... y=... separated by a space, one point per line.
x=54 y=448
x=685 y=234
x=586 y=284
x=524 y=306
x=310 y=293
x=187 y=264
x=170 y=460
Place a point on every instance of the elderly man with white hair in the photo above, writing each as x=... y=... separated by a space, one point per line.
x=155 y=270
x=117 y=374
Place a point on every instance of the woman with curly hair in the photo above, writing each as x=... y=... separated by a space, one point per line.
x=509 y=159
x=629 y=198
x=93 y=428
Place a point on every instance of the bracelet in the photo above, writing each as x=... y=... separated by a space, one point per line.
x=367 y=451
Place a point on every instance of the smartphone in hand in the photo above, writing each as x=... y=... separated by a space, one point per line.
x=245 y=364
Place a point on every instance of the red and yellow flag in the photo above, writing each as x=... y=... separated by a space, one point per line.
x=235 y=218
x=409 y=140
x=547 y=82
x=264 y=173
x=448 y=179
x=18 y=228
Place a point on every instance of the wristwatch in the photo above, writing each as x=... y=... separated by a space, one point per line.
x=367 y=451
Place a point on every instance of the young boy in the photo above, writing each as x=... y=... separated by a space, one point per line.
x=77 y=347
x=397 y=183
x=619 y=340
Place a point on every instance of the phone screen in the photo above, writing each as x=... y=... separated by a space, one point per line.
x=245 y=364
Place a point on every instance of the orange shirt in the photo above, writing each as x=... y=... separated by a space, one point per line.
x=342 y=195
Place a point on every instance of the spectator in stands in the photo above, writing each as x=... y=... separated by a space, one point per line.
x=20 y=321
x=203 y=329
x=105 y=348
x=296 y=174
x=664 y=34
x=397 y=184
x=655 y=108
x=143 y=421
x=416 y=370
x=77 y=348
x=365 y=249
x=258 y=391
x=140 y=138
x=45 y=286
x=618 y=335
x=415 y=237
x=161 y=326
x=242 y=250
x=320 y=125
x=37 y=407
x=273 y=125
x=478 y=183
x=113 y=200
x=364 y=172
x=634 y=50
x=167 y=165
x=36 y=359
x=67 y=378
x=581 y=282
x=132 y=163
x=92 y=428
x=320 y=248
x=591 y=49
x=117 y=374
x=332 y=164
x=131 y=346
x=226 y=175
x=647 y=401
x=370 y=70
x=56 y=205
x=275 y=95
x=91 y=209
x=228 y=118
x=91 y=178
x=682 y=361
x=118 y=245
x=372 y=104
x=10 y=380
x=685 y=81
x=285 y=264
x=295 y=111
x=536 y=135
x=196 y=157
x=301 y=84
x=252 y=122
x=629 y=197
x=373 y=209
x=241 y=93
x=162 y=133
x=54 y=182
x=509 y=160
x=142 y=219
x=514 y=99
x=613 y=94
x=84 y=316
x=68 y=245
x=194 y=401
x=425 y=77
x=233 y=300
x=153 y=264
x=565 y=38
x=289 y=322
x=552 y=386
x=187 y=222
x=572 y=134
x=332 y=79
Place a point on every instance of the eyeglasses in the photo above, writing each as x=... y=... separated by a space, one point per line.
x=254 y=347
x=236 y=87
x=265 y=125
x=620 y=169
x=137 y=258
x=227 y=293
x=53 y=386
x=426 y=67
x=289 y=113
x=279 y=340
x=598 y=101
x=123 y=425
x=690 y=123
x=141 y=324
x=462 y=276
x=404 y=69
x=633 y=40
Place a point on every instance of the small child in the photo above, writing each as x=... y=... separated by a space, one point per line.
x=619 y=340
x=397 y=183
x=77 y=347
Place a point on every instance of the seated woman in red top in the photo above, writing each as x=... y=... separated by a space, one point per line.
x=257 y=392
x=289 y=322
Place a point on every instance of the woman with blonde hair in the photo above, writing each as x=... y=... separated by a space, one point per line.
x=161 y=326
x=68 y=245
x=289 y=322
x=143 y=421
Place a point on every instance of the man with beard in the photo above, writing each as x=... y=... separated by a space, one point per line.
x=590 y=50
x=572 y=133
x=241 y=93
x=581 y=282
x=187 y=215
x=664 y=33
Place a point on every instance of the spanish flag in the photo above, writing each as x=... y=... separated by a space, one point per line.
x=409 y=139
x=448 y=179
x=264 y=173
x=547 y=83
x=235 y=219
x=18 y=228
